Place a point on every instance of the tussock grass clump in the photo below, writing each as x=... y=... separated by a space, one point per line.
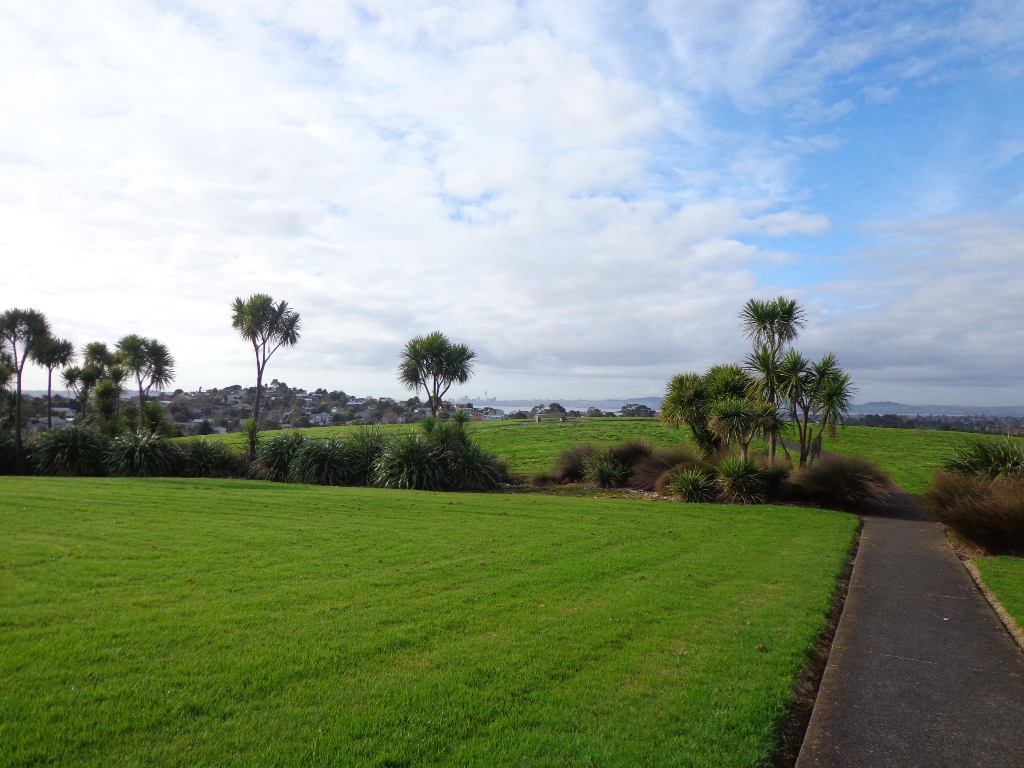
x=569 y=465
x=646 y=471
x=988 y=458
x=8 y=458
x=840 y=482
x=693 y=485
x=146 y=455
x=742 y=481
x=990 y=514
x=78 y=451
x=206 y=458
x=631 y=452
x=409 y=462
x=321 y=462
x=274 y=456
x=605 y=470
x=471 y=468
x=364 y=448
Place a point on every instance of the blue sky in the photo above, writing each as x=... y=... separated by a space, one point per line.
x=585 y=192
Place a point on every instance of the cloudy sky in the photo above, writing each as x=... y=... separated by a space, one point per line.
x=585 y=192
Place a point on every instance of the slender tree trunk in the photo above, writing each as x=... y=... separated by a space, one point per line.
x=49 y=399
x=256 y=406
x=18 y=450
x=805 y=446
x=142 y=402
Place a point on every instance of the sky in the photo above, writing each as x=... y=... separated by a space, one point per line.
x=586 y=193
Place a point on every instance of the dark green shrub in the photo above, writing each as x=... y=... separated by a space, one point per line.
x=990 y=458
x=776 y=476
x=206 y=458
x=77 y=451
x=604 y=470
x=839 y=482
x=990 y=514
x=693 y=485
x=569 y=465
x=408 y=461
x=742 y=482
x=428 y=425
x=471 y=468
x=322 y=462
x=630 y=452
x=461 y=418
x=447 y=436
x=646 y=471
x=8 y=459
x=135 y=455
x=364 y=448
x=274 y=456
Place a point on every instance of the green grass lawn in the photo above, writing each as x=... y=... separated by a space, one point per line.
x=1005 y=577
x=175 y=622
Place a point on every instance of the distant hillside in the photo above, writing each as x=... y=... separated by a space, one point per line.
x=902 y=409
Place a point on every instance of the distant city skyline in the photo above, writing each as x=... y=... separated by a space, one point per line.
x=585 y=193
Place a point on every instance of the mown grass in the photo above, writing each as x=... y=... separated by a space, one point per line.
x=190 y=622
x=1005 y=577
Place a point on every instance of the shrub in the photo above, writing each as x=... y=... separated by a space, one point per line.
x=630 y=452
x=471 y=468
x=135 y=455
x=693 y=485
x=776 y=476
x=321 y=462
x=8 y=458
x=364 y=448
x=274 y=457
x=604 y=470
x=991 y=458
x=646 y=471
x=569 y=465
x=77 y=451
x=839 y=482
x=990 y=514
x=408 y=461
x=448 y=436
x=205 y=458
x=741 y=481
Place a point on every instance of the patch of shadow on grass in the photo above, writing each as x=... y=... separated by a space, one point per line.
x=791 y=737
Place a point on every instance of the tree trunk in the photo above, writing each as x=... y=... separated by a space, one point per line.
x=49 y=400
x=142 y=403
x=18 y=450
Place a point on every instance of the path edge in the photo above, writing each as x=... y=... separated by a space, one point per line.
x=805 y=691
x=1007 y=620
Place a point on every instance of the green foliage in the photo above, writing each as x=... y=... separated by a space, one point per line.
x=988 y=458
x=321 y=462
x=274 y=457
x=988 y=513
x=840 y=482
x=364 y=447
x=742 y=481
x=434 y=363
x=461 y=418
x=604 y=470
x=410 y=462
x=77 y=451
x=205 y=458
x=471 y=468
x=8 y=457
x=154 y=419
x=693 y=485
x=142 y=455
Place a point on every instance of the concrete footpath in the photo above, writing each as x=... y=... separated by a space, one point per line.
x=922 y=672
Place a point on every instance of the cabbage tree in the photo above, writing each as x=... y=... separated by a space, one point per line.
x=22 y=330
x=434 y=363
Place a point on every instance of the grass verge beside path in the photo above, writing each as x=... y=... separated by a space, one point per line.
x=1004 y=576
x=177 y=622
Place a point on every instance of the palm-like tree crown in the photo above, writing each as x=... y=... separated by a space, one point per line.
x=772 y=323
x=434 y=363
